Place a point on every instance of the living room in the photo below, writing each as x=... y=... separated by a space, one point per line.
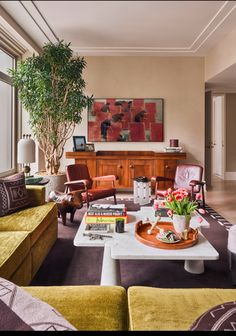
x=188 y=69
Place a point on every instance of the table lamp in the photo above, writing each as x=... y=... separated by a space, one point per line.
x=26 y=153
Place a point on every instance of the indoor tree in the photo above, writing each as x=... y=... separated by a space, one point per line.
x=51 y=89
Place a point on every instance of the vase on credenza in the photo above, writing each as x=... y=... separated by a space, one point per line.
x=181 y=222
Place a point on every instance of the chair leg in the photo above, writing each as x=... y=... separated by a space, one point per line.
x=203 y=198
x=115 y=201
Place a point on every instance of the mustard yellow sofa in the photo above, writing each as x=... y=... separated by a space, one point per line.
x=26 y=237
x=138 y=308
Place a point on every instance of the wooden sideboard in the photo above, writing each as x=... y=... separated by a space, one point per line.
x=129 y=164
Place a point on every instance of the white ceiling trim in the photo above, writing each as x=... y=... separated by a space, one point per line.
x=230 y=10
x=214 y=23
x=39 y=21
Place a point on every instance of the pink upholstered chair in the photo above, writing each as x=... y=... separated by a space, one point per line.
x=78 y=178
x=188 y=176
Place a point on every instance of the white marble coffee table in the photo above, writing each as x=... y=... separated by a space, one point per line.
x=126 y=246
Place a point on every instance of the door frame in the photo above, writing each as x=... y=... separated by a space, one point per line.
x=223 y=130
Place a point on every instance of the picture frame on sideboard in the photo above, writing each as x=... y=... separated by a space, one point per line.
x=79 y=143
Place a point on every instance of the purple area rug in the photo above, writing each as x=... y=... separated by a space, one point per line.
x=69 y=265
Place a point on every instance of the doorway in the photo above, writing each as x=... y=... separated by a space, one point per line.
x=214 y=136
x=218 y=141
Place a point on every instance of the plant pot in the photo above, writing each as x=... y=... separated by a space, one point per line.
x=56 y=182
x=181 y=222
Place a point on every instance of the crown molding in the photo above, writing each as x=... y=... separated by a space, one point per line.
x=214 y=23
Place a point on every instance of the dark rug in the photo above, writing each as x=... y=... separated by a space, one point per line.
x=69 y=265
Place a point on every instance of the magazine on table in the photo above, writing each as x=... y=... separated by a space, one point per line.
x=97 y=228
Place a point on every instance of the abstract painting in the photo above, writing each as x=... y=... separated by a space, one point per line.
x=126 y=119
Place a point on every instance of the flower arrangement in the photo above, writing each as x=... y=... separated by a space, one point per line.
x=178 y=202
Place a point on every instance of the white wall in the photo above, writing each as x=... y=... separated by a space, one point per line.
x=179 y=80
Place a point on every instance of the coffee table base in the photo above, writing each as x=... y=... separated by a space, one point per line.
x=194 y=266
x=110 y=269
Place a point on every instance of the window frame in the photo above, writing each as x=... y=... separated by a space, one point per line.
x=14 y=115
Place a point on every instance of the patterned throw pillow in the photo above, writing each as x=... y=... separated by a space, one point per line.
x=221 y=317
x=13 y=194
x=21 y=311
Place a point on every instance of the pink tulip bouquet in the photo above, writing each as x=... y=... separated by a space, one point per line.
x=178 y=202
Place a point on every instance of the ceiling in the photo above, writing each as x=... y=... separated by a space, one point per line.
x=188 y=28
x=125 y=28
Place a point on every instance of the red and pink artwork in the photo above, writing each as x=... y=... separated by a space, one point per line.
x=113 y=119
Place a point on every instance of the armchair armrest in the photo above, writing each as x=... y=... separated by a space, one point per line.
x=85 y=184
x=161 y=178
x=194 y=183
x=106 y=178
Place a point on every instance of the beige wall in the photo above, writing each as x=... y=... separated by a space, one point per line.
x=221 y=56
x=230 y=134
x=179 y=80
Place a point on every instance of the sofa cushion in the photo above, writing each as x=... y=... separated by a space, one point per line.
x=87 y=307
x=25 y=310
x=221 y=317
x=14 y=247
x=36 y=194
x=13 y=194
x=172 y=309
x=34 y=220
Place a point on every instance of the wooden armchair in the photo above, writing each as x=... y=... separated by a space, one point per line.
x=78 y=178
x=187 y=176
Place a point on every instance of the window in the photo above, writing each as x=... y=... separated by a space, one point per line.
x=7 y=114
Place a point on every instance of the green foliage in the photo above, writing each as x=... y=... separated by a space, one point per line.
x=51 y=89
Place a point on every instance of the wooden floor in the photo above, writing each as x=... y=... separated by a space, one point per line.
x=222 y=198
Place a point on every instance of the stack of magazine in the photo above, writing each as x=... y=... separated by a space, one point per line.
x=100 y=217
x=173 y=149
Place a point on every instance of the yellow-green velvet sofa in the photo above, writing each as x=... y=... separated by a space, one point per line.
x=138 y=308
x=26 y=237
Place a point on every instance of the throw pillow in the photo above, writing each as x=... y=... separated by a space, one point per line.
x=220 y=317
x=13 y=194
x=20 y=309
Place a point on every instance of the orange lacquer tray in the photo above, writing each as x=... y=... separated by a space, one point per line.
x=151 y=240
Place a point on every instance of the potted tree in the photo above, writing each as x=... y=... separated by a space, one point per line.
x=51 y=89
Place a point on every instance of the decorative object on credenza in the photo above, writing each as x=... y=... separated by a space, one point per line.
x=173 y=149
x=26 y=153
x=89 y=147
x=79 y=143
x=174 y=142
x=128 y=119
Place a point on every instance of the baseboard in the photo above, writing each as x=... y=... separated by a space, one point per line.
x=230 y=176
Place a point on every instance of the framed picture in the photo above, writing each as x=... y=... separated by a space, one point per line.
x=79 y=143
x=89 y=147
x=126 y=119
